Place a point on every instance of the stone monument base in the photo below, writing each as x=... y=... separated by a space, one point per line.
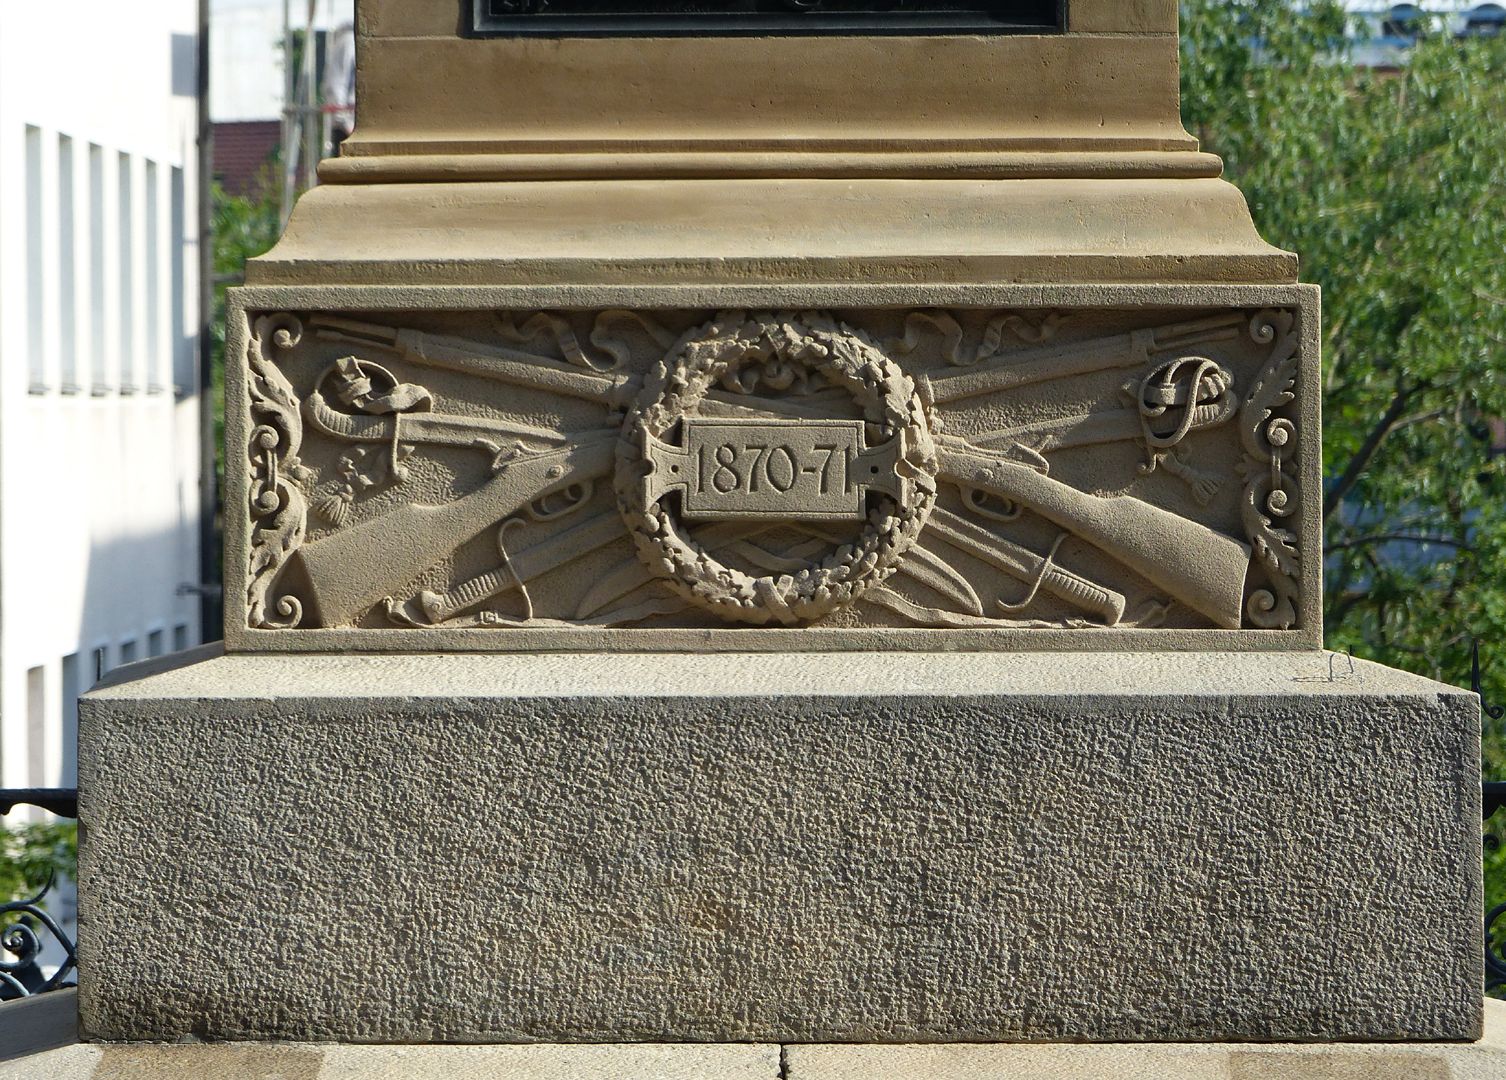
x=1484 y=1060
x=853 y=848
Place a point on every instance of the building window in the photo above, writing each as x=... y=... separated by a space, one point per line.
x=1404 y=22
x=67 y=271
x=128 y=652
x=180 y=637
x=154 y=642
x=126 y=232
x=36 y=727
x=1487 y=20
x=99 y=372
x=184 y=374
x=152 y=308
x=72 y=688
x=36 y=265
x=101 y=662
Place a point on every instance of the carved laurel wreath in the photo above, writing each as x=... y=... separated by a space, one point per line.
x=675 y=389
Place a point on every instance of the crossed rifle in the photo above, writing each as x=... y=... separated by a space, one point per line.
x=1196 y=565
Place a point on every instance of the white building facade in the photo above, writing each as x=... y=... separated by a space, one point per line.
x=247 y=79
x=99 y=396
x=1384 y=33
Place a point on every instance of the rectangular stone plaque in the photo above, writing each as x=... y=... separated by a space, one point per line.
x=801 y=470
x=672 y=17
x=980 y=475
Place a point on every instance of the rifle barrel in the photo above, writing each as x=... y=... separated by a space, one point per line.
x=512 y=366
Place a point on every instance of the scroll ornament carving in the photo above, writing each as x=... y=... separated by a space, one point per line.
x=1272 y=493
x=1179 y=397
x=277 y=504
x=606 y=335
x=772 y=469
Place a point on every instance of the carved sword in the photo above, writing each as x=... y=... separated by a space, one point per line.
x=427 y=427
x=1202 y=568
x=1020 y=562
x=925 y=566
x=1029 y=366
x=631 y=574
x=920 y=564
x=431 y=608
x=513 y=366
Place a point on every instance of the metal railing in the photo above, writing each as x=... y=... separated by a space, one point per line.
x=1492 y=799
x=25 y=925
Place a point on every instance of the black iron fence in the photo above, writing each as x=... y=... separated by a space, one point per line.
x=25 y=925
x=1493 y=798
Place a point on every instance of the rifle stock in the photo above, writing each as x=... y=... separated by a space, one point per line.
x=353 y=569
x=1201 y=568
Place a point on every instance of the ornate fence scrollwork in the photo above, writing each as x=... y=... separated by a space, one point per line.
x=23 y=924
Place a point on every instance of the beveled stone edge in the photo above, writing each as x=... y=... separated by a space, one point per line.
x=366 y=678
x=783 y=231
x=941 y=271
x=394 y=163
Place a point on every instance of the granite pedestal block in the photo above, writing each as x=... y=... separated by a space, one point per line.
x=780 y=848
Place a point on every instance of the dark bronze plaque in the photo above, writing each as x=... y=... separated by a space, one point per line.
x=686 y=17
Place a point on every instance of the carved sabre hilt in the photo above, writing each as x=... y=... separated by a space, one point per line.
x=513 y=366
x=1199 y=567
x=1094 y=599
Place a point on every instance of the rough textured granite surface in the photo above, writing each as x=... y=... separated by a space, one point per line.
x=867 y=848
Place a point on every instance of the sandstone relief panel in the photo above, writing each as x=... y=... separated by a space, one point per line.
x=956 y=469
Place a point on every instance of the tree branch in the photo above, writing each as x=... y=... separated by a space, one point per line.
x=1402 y=538
x=1387 y=423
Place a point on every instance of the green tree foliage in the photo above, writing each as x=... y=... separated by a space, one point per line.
x=1392 y=188
x=33 y=854
x=244 y=226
